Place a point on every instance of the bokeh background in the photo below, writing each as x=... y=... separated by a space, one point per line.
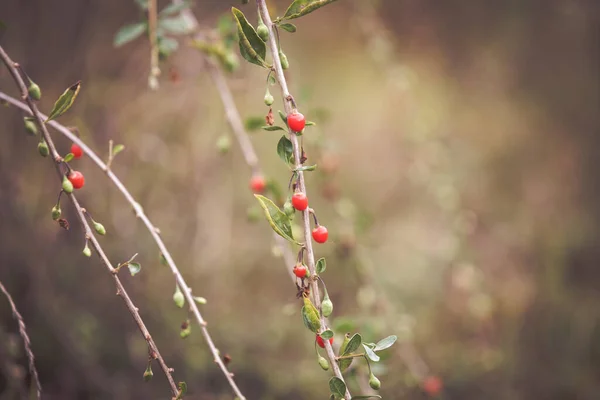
x=458 y=146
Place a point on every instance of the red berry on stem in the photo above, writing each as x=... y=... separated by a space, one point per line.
x=258 y=184
x=76 y=178
x=76 y=151
x=300 y=201
x=432 y=385
x=296 y=121
x=320 y=234
x=300 y=270
x=321 y=342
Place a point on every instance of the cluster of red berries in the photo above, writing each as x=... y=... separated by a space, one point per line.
x=300 y=203
x=75 y=177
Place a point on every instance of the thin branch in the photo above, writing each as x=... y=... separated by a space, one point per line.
x=57 y=159
x=26 y=341
x=152 y=35
x=289 y=106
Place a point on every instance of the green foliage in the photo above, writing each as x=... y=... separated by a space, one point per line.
x=65 y=101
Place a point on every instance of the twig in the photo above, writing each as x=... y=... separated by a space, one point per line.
x=57 y=159
x=289 y=106
x=26 y=341
x=152 y=22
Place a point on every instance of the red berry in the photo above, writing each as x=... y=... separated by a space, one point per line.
x=296 y=121
x=76 y=179
x=320 y=234
x=258 y=184
x=432 y=385
x=321 y=342
x=300 y=270
x=76 y=150
x=300 y=201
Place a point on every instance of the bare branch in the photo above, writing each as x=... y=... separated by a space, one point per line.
x=26 y=342
x=289 y=106
x=57 y=159
x=152 y=35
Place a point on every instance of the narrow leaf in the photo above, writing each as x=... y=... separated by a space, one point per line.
x=321 y=265
x=69 y=157
x=273 y=128
x=65 y=101
x=310 y=123
x=328 y=334
x=370 y=353
x=175 y=25
x=279 y=222
x=117 y=149
x=254 y=123
x=285 y=149
x=134 y=268
x=385 y=343
x=282 y=116
x=252 y=48
x=128 y=33
x=353 y=344
x=288 y=27
x=200 y=300
x=174 y=8
x=337 y=387
x=306 y=168
x=302 y=7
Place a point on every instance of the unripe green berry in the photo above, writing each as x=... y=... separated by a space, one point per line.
x=87 y=251
x=262 y=31
x=99 y=228
x=67 y=186
x=34 y=91
x=269 y=98
x=178 y=297
x=326 y=307
x=148 y=374
x=30 y=127
x=285 y=64
x=56 y=212
x=43 y=149
x=230 y=61
x=323 y=363
x=374 y=382
x=223 y=144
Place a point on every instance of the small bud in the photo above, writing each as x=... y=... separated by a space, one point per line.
x=67 y=186
x=178 y=297
x=223 y=144
x=374 y=382
x=56 y=212
x=269 y=98
x=285 y=64
x=148 y=373
x=99 y=228
x=323 y=363
x=30 y=127
x=34 y=91
x=186 y=329
x=326 y=307
x=262 y=31
x=43 y=149
x=87 y=251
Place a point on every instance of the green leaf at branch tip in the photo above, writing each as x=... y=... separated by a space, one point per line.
x=252 y=47
x=385 y=343
x=65 y=101
x=310 y=123
x=288 y=27
x=321 y=265
x=366 y=396
x=279 y=222
x=328 y=334
x=182 y=386
x=370 y=353
x=353 y=344
x=337 y=387
x=117 y=149
x=300 y=8
x=254 y=123
x=285 y=149
x=69 y=157
x=200 y=300
x=174 y=8
x=129 y=33
x=306 y=168
x=273 y=128
x=134 y=268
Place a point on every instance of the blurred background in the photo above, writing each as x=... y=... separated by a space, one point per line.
x=457 y=145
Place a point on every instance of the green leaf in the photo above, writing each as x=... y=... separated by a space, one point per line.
x=273 y=128
x=128 y=33
x=288 y=27
x=370 y=353
x=65 y=101
x=337 y=387
x=321 y=265
x=174 y=8
x=353 y=344
x=254 y=123
x=69 y=157
x=366 y=396
x=282 y=116
x=310 y=123
x=134 y=268
x=167 y=45
x=385 y=343
x=143 y=4
x=279 y=222
x=182 y=386
x=285 y=149
x=306 y=168
x=200 y=300
x=302 y=7
x=328 y=334
x=175 y=25
x=117 y=149
x=252 y=48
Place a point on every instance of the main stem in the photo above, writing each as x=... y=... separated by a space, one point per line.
x=310 y=256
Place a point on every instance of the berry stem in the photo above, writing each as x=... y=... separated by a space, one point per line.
x=312 y=212
x=289 y=106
